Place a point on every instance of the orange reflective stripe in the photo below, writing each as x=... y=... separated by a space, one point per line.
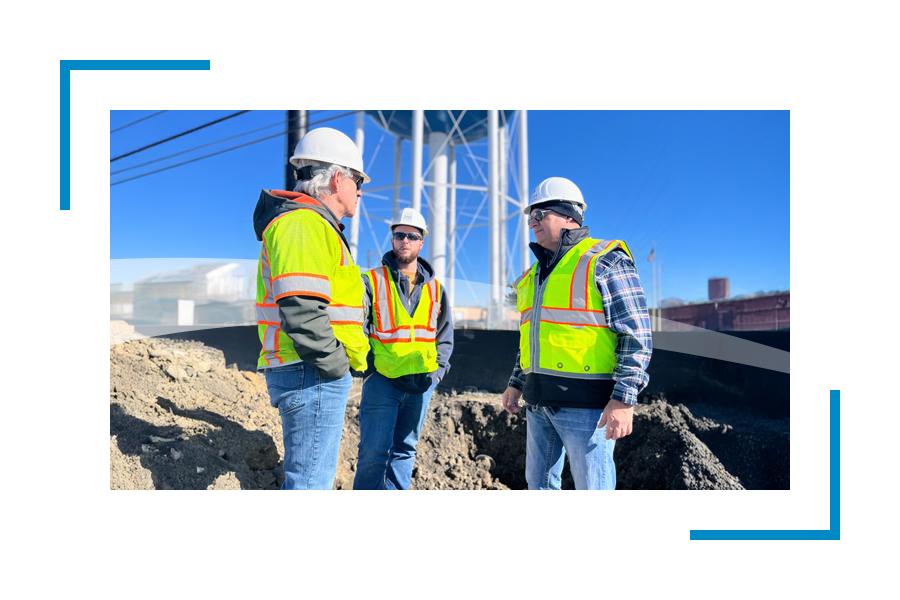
x=578 y=295
x=268 y=314
x=566 y=316
x=345 y=315
x=401 y=334
x=526 y=316
x=266 y=273
x=381 y=301
x=388 y=294
x=302 y=284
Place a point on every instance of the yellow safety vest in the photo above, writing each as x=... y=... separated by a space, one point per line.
x=403 y=345
x=562 y=329
x=309 y=259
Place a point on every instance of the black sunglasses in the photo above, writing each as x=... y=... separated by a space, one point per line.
x=401 y=235
x=538 y=214
x=358 y=180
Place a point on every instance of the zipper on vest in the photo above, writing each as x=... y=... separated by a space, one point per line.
x=535 y=320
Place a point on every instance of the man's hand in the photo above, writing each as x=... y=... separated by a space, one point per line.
x=510 y=400
x=617 y=418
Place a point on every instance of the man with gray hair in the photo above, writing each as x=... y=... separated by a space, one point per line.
x=309 y=303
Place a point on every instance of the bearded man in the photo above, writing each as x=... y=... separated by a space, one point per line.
x=410 y=329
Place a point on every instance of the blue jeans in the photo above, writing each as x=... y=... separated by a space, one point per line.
x=389 y=424
x=555 y=432
x=312 y=420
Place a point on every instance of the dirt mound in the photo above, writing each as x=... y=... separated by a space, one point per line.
x=187 y=420
x=449 y=455
x=643 y=459
x=120 y=331
x=181 y=419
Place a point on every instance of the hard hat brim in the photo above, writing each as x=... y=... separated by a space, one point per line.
x=295 y=160
x=531 y=207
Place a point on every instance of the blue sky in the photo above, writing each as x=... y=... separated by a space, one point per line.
x=711 y=188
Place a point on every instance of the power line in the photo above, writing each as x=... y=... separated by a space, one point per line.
x=178 y=135
x=156 y=114
x=156 y=160
x=250 y=143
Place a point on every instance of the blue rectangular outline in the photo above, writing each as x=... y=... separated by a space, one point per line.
x=834 y=531
x=65 y=67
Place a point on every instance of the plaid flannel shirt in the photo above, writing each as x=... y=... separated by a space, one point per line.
x=625 y=307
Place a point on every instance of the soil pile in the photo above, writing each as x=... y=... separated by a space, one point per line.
x=181 y=419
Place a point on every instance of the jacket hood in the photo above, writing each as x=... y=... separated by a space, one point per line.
x=274 y=203
x=424 y=270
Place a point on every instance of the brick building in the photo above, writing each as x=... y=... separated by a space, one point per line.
x=770 y=312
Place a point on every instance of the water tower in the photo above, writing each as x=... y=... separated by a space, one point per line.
x=451 y=135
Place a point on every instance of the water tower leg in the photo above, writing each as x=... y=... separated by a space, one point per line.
x=503 y=148
x=525 y=252
x=354 y=220
x=437 y=207
x=451 y=230
x=418 y=126
x=494 y=216
x=398 y=148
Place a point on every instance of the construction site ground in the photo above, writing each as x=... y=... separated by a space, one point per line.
x=180 y=418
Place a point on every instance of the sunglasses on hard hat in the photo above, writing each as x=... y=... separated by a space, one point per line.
x=401 y=235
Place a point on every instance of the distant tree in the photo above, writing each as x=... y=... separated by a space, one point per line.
x=510 y=296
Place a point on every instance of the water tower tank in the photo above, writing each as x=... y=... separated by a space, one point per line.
x=473 y=124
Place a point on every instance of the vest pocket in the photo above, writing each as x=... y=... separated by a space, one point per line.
x=570 y=347
x=523 y=300
x=570 y=337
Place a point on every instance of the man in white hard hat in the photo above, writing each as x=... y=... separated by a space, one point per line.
x=584 y=344
x=411 y=331
x=309 y=300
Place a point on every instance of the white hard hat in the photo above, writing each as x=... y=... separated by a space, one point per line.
x=329 y=146
x=413 y=218
x=556 y=188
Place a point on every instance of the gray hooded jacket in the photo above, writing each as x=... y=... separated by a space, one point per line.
x=304 y=318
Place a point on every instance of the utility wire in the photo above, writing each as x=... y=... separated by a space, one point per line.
x=156 y=114
x=156 y=160
x=178 y=135
x=250 y=143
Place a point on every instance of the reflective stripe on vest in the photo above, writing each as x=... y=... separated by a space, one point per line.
x=562 y=328
x=266 y=274
x=268 y=314
x=302 y=284
x=346 y=315
x=580 y=317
